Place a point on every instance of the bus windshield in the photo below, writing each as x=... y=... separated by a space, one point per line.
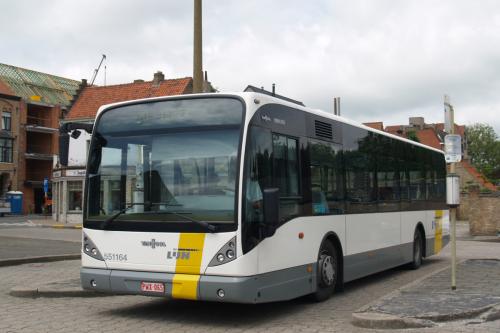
x=169 y=161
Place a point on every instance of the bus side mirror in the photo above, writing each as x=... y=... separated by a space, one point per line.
x=63 y=148
x=271 y=208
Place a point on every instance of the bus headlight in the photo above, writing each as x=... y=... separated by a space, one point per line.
x=90 y=249
x=226 y=254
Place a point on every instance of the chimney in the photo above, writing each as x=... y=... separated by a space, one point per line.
x=336 y=106
x=417 y=122
x=83 y=84
x=158 y=77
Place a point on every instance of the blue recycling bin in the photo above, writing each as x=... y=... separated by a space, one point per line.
x=16 y=201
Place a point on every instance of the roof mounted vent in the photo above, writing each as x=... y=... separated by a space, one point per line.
x=323 y=130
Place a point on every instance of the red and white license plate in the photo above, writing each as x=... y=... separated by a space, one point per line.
x=154 y=287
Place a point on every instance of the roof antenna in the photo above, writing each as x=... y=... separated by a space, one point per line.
x=105 y=70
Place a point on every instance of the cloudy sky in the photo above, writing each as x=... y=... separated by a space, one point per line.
x=386 y=59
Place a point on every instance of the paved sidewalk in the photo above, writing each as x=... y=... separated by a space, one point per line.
x=48 y=222
x=430 y=300
x=35 y=221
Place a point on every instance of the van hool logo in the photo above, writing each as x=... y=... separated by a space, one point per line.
x=182 y=254
x=153 y=244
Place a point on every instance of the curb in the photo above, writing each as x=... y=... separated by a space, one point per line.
x=493 y=314
x=379 y=320
x=60 y=226
x=30 y=260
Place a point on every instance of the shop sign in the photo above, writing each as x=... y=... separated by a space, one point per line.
x=75 y=173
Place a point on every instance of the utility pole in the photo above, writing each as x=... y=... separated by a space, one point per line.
x=197 y=49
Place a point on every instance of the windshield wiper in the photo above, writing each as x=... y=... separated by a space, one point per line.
x=210 y=227
x=110 y=219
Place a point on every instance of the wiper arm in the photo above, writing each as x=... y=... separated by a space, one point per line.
x=210 y=227
x=110 y=219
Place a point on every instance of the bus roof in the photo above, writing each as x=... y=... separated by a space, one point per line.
x=249 y=97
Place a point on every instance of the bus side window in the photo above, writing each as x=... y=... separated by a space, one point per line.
x=326 y=178
x=286 y=175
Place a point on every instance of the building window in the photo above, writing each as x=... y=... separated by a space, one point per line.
x=6 y=121
x=75 y=196
x=6 y=150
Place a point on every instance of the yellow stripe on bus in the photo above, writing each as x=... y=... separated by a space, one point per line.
x=187 y=267
x=438 y=236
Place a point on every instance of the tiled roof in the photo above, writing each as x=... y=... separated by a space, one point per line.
x=393 y=129
x=91 y=98
x=428 y=137
x=459 y=129
x=26 y=83
x=478 y=176
x=376 y=125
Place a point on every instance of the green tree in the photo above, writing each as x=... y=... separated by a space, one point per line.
x=484 y=149
x=412 y=135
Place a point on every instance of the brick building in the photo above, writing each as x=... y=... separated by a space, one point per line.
x=69 y=181
x=31 y=104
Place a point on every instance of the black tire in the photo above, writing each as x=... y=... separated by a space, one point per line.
x=327 y=274
x=418 y=249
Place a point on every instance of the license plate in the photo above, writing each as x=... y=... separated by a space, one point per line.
x=154 y=287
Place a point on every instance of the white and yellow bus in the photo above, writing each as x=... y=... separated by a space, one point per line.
x=251 y=198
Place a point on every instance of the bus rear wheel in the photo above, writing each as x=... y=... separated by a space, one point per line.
x=327 y=272
x=417 y=250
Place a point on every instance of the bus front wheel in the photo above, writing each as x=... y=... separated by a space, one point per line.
x=327 y=272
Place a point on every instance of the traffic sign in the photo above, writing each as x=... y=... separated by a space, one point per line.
x=452 y=148
x=46 y=185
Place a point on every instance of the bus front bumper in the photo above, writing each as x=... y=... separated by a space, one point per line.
x=269 y=287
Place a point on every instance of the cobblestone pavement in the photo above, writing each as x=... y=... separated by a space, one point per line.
x=141 y=314
x=432 y=297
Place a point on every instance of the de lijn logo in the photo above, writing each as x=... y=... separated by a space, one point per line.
x=181 y=254
x=153 y=244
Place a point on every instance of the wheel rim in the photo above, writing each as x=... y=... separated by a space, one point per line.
x=327 y=269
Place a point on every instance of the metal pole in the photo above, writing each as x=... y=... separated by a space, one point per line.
x=453 y=210
x=197 y=49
